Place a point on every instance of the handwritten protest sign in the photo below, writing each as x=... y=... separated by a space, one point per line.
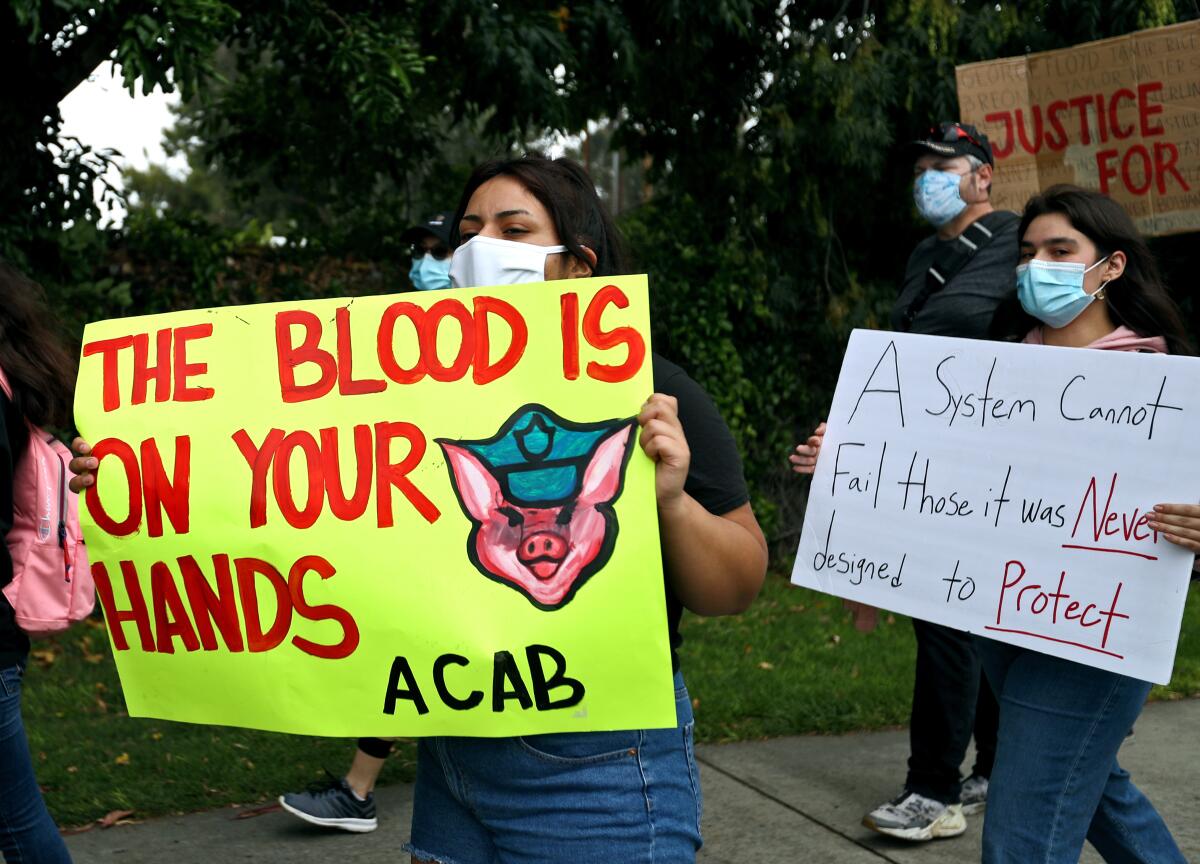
x=1004 y=490
x=407 y=515
x=1119 y=115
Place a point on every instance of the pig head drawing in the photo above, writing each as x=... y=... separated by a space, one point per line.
x=539 y=494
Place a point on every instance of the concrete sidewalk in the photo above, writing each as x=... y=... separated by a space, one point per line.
x=788 y=799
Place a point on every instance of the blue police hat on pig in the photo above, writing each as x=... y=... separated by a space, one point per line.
x=539 y=457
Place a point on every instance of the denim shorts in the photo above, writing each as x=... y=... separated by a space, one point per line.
x=578 y=797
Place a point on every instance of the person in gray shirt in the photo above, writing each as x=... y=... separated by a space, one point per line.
x=953 y=284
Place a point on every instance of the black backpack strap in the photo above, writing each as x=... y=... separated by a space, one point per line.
x=954 y=257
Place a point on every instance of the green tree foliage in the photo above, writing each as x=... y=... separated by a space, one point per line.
x=782 y=215
x=319 y=107
x=273 y=86
x=46 y=49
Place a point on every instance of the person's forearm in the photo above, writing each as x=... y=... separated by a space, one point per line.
x=715 y=564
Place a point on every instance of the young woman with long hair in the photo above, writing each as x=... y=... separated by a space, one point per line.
x=595 y=796
x=42 y=376
x=588 y=797
x=1086 y=280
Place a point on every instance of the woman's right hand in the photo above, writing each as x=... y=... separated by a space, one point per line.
x=804 y=460
x=83 y=466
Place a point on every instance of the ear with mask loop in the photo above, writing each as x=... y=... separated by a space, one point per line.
x=1104 y=283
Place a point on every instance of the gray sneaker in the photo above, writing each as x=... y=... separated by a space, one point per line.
x=914 y=817
x=974 y=794
x=331 y=804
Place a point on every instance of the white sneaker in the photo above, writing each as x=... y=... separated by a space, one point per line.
x=915 y=817
x=974 y=794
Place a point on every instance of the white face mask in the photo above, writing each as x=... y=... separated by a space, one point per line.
x=483 y=261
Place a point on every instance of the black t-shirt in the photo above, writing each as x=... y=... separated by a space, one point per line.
x=715 y=476
x=965 y=306
x=14 y=644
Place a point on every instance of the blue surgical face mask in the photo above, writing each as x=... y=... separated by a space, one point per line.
x=429 y=274
x=937 y=197
x=1052 y=291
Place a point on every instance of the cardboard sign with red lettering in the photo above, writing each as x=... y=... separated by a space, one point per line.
x=423 y=514
x=1005 y=489
x=1120 y=115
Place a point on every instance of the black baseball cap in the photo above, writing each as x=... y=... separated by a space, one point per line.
x=438 y=225
x=955 y=139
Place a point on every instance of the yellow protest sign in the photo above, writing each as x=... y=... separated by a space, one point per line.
x=417 y=514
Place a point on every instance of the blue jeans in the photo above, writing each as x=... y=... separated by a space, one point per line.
x=1056 y=781
x=27 y=833
x=580 y=797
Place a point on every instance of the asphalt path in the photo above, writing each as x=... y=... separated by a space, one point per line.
x=785 y=799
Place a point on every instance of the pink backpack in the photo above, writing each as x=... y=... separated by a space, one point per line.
x=52 y=585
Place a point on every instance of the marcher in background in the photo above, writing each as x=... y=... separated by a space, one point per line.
x=348 y=802
x=1086 y=280
x=953 y=284
x=42 y=376
x=430 y=242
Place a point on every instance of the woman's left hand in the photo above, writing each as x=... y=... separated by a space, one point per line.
x=1178 y=523
x=663 y=441
x=83 y=466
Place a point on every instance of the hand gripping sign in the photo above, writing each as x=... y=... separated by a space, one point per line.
x=408 y=515
x=1004 y=490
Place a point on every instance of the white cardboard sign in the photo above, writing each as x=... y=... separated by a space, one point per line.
x=1004 y=489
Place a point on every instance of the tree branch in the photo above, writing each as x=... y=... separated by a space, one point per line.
x=65 y=72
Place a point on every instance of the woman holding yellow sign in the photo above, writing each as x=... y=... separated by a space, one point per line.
x=587 y=796
x=599 y=796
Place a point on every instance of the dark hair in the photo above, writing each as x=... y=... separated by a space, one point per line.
x=40 y=370
x=1138 y=299
x=569 y=196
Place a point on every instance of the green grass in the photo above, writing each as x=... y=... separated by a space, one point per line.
x=92 y=758
x=793 y=664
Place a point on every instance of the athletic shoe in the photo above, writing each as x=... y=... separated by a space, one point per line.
x=331 y=804
x=974 y=794
x=915 y=817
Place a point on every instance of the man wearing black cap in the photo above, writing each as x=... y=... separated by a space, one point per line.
x=430 y=240
x=953 y=283
x=957 y=277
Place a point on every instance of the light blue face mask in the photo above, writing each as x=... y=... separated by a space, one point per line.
x=1052 y=291
x=937 y=197
x=429 y=274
